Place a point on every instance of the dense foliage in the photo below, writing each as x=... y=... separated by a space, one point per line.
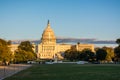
x=87 y=55
x=117 y=50
x=25 y=52
x=74 y=55
x=118 y=41
x=5 y=53
x=110 y=53
x=101 y=54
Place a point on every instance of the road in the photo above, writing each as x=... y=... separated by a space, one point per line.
x=6 y=71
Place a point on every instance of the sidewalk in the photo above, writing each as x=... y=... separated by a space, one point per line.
x=6 y=71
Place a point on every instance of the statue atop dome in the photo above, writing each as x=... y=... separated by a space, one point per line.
x=48 y=21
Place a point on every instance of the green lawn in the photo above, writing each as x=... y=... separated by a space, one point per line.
x=69 y=72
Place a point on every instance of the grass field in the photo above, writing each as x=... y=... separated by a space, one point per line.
x=69 y=72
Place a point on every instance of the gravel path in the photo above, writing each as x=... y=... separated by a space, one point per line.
x=6 y=71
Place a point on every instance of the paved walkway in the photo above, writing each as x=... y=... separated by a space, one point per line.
x=6 y=71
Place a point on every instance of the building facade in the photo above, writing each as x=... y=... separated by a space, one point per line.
x=48 y=48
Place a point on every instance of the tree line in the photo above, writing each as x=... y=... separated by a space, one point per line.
x=103 y=54
x=22 y=54
x=25 y=53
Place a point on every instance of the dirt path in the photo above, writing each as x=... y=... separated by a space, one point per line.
x=6 y=71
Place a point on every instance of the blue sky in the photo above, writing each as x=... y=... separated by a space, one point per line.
x=26 y=19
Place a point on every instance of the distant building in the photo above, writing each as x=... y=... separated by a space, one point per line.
x=80 y=47
x=48 y=48
x=14 y=47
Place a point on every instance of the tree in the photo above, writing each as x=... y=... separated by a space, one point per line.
x=117 y=50
x=26 y=46
x=5 y=52
x=19 y=56
x=118 y=41
x=74 y=55
x=87 y=55
x=101 y=54
x=71 y=54
x=25 y=52
x=110 y=53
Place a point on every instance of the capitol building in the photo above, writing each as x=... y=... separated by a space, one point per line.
x=49 y=49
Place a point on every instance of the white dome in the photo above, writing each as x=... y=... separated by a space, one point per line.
x=48 y=35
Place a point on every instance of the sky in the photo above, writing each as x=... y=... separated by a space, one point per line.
x=26 y=19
